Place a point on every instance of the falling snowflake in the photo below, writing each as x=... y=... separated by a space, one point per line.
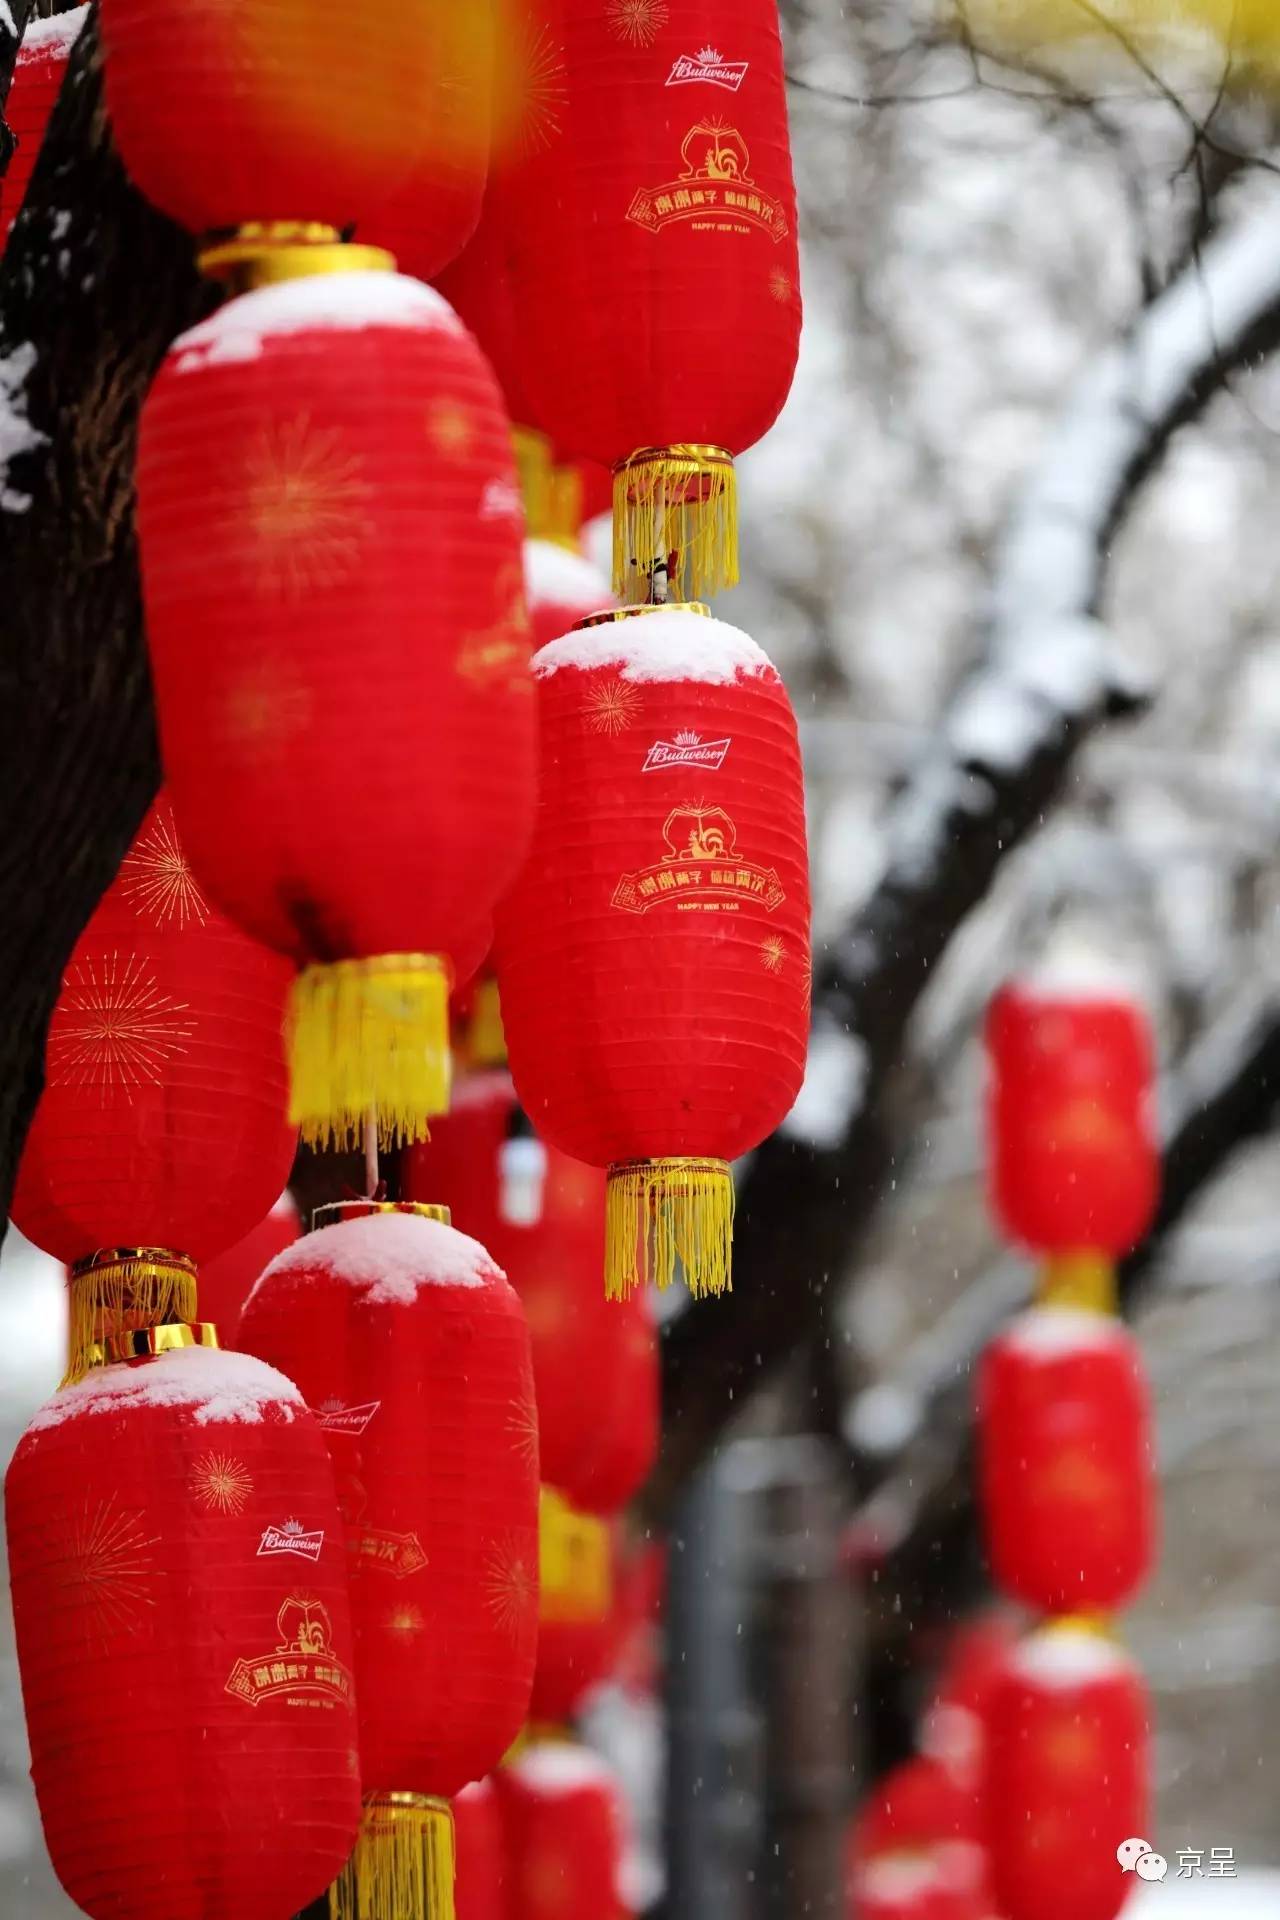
x=305 y=506
x=637 y=21
x=522 y=1424
x=611 y=709
x=773 y=954
x=780 y=285
x=511 y=1580
x=106 y=1568
x=115 y=1028
x=156 y=878
x=220 y=1483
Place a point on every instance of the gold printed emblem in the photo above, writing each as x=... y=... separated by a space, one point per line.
x=638 y=22
x=117 y=1028
x=107 y=1568
x=701 y=870
x=522 y=1425
x=305 y=502
x=511 y=1584
x=714 y=189
x=611 y=709
x=220 y=1484
x=497 y=656
x=302 y=1667
x=773 y=954
x=398 y=1554
x=157 y=881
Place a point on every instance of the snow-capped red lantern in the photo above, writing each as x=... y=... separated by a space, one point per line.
x=917 y=1846
x=1066 y=1777
x=653 y=954
x=1068 y=1498
x=227 y=1281
x=477 y=1833
x=278 y=114
x=1072 y=1153
x=561 y=589
x=578 y=1620
x=954 y=1728
x=408 y=1342
x=562 y=1827
x=595 y=1361
x=160 y=1137
x=673 y=295
x=180 y=1604
x=910 y=1884
x=330 y=538
x=37 y=80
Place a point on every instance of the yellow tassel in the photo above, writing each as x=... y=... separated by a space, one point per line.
x=402 y=1865
x=658 y=1212
x=1085 y=1280
x=575 y=1563
x=564 y=502
x=486 y=1043
x=533 y=470
x=680 y=501
x=122 y=1290
x=369 y=1035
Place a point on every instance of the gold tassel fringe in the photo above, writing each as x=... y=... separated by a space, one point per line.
x=533 y=470
x=658 y=1212
x=680 y=501
x=486 y=1042
x=575 y=1563
x=123 y=1290
x=402 y=1865
x=1084 y=1280
x=564 y=505
x=368 y=1036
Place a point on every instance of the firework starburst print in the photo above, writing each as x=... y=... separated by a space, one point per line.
x=220 y=1483
x=639 y=22
x=106 y=1568
x=522 y=1424
x=305 y=506
x=155 y=877
x=611 y=709
x=539 y=89
x=511 y=1584
x=780 y=285
x=773 y=954
x=115 y=1029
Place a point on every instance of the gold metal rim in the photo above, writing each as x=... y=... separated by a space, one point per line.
x=692 y=453
x=143 y=1343
x=334 y=1212
x=675 y=1163
x=375 y=963
x=609 y=614
x=262 y=255
x=131 y=1256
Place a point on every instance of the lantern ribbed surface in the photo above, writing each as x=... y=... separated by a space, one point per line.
x=1067 y=1776
x=273 y=110
x=407 y=1341
x=595 y=1361
x=562 y=1835
x=674 y=293
x=162 y=1122
x=180 y=1604
x=653 y=955
x=1066 y=1461
x=331 y=549
x=1073 y=1158
x=37 y=79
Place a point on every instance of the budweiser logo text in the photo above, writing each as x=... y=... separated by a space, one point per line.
x=336 y=1419
x=708 y=66
x=686 y=750
x=291 y=1538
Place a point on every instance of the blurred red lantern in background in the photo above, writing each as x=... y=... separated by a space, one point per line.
x=1066 y=1776
x=38 y=70
x=562 y=1826
x=673 y=295
x=227 y=1281
x=561 y=588
x=324 y=468
x=954 y=1730
x=180 y=1604
x=578 y=1620
x=1073 y=1158
x=1068 y=1498
x=160 y=1135
x=653 y=954
x=477 y=1826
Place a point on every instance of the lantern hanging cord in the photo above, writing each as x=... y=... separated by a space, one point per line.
x=371 y=1154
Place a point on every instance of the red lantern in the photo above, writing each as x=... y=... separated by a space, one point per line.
x=226 y=1283
x=1067 y=1776
x=918 y=1805
x=654 y=953
x=1073 y=1158
x=276 y=112
x=578 y=1621
x=180 y=1604
x=477 y=285
x=330 y=539
x=562 y=1831
x=909 y=1886
x=477 y=1828
x=673 y=295
x=1067 y=1493
x=955 y=1725
x=405 y=1337
x=561 y=588
x=37 y=80
x=161 y=1130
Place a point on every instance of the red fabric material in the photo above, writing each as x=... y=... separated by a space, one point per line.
x=477 y=285
x=595 y=1361
x=275 y=110
x=1066 y=1784
x=162 y=1122
x=37 y=78
x=673 y=293
x=1067 y=1472
x=642 y=1029
x=1072 y=1151
x=562 y=1844
x=303 y=515
x=550 y=615
x=427 y=1404
x=917 y=1805
x=225 y=1283
x=478 y=1892
x=188 y=1693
